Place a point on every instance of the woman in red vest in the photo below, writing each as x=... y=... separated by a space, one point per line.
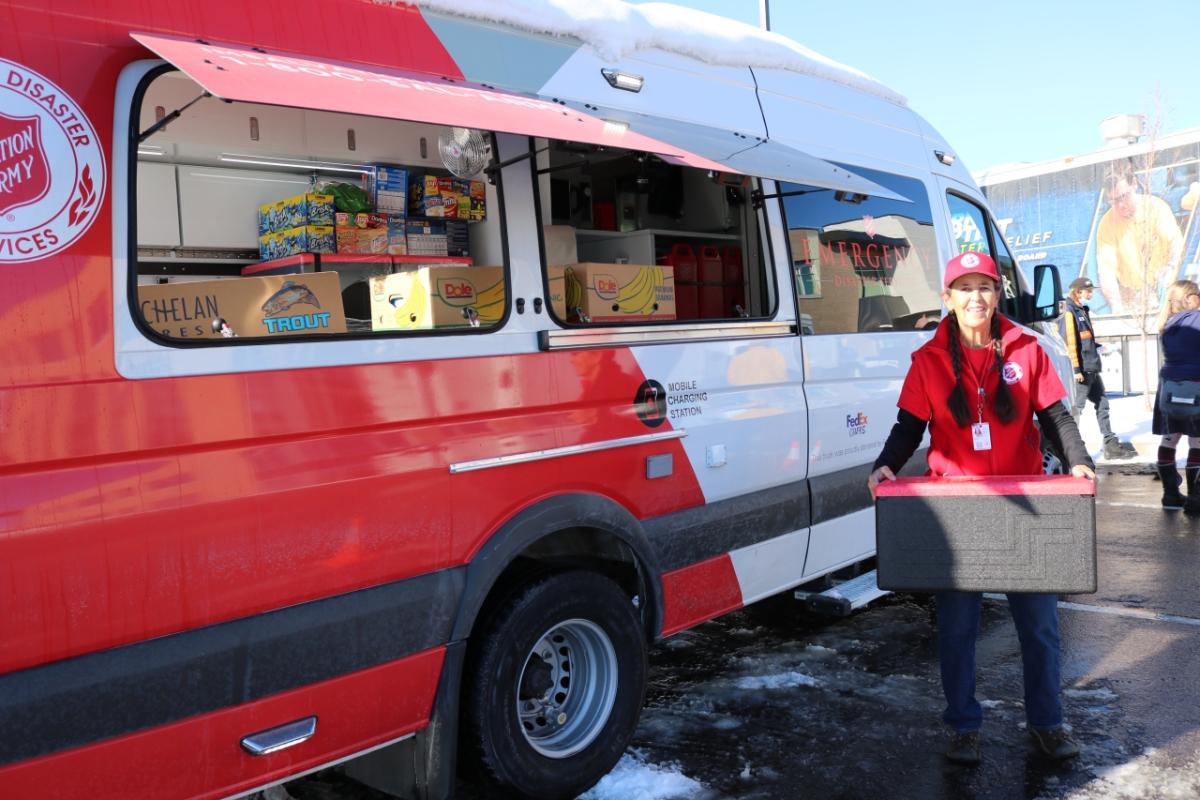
x=977 y=384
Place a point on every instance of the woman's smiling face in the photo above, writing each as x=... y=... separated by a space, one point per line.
x=973 y=299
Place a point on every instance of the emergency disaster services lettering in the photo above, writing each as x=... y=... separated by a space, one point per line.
x=52 y=172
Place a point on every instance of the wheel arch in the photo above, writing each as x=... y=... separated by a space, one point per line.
x=573 y=530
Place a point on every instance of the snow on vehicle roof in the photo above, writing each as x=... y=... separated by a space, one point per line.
x=615 y=29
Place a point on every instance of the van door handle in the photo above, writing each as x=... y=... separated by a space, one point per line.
x=280 y=737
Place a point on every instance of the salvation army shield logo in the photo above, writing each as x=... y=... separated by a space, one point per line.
x=1012 y=372
x=24 y=174
x=52 y=171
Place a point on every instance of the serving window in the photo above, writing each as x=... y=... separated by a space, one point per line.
x=863 y=263
x=633 y=239
x=264 y=223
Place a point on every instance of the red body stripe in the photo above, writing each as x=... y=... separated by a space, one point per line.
x=354 y=712
x=702 y=591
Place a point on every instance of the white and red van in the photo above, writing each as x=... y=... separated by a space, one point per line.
x=607 y=354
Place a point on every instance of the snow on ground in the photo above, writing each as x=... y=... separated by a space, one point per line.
x=784 y=680
x=616 y=29
x=1138 y=779
x=634 y=779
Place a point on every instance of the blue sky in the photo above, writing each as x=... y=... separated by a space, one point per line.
x=1013 y=81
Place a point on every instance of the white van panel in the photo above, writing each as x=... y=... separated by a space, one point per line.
x=769 y=567
x=852 y=382
x=728 y=101
x=742 y=405
x=831 y=122
x=840 y=542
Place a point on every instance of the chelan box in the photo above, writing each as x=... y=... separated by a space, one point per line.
x=987 y=534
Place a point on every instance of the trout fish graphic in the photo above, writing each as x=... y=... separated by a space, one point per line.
x=289 y=295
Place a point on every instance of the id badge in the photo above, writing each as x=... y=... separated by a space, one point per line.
x=981 y=434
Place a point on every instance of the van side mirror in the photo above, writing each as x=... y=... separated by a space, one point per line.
x=1047 y=291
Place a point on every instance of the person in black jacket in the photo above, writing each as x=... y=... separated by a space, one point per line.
x=1080 y=336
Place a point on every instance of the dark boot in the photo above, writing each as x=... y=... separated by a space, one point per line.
x=1192 y=504
x=963 y=748
x=1171 y=499
x=1115 y=450
x=1054 y=743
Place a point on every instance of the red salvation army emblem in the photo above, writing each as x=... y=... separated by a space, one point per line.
x=1012 y=372
x=24 y=174
x=52 y=170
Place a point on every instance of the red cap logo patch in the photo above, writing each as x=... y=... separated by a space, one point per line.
x=52 y=173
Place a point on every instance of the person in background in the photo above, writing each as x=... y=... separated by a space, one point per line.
x=1138 y=245
x=977 y=385
x=1077 y=331
x=1179 y=338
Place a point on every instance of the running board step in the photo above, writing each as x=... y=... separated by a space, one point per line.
x=844 y=597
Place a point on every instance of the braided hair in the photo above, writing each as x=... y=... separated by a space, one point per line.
x=1002 y=402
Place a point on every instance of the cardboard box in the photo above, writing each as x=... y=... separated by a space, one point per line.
x=397 y=235
x=443 y=197
x=305 y=239
x=295 y=212
x=437 y=297
x=391 y=189
x=362 y=233
x=426 y=238
x=271 y=306
x=1032 y=533
x=591 y=292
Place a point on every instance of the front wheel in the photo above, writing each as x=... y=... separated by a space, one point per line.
x=555 y=685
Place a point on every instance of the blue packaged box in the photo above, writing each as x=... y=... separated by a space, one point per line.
x=391 y=189
x=303 y=239
x=295 y=212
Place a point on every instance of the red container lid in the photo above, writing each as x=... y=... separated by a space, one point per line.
x=986 y=486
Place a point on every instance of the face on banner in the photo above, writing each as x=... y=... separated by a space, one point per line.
x=1132 y=234
x=1139 y=241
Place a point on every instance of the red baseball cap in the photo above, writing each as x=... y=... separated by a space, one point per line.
x=966 y=263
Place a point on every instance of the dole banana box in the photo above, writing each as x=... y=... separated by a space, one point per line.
x=437 y=297
x=295 y=212
x=612 y=292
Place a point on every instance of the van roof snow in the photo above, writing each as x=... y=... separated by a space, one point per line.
x=615 y=29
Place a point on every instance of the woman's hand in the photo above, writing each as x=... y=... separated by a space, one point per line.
x=879 y=476
x=1083 y=471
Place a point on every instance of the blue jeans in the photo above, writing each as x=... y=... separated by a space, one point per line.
x=1036 y=617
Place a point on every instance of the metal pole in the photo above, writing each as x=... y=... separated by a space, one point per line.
x=764 y=15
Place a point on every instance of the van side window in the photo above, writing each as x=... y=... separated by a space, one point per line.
x=863 y=264
x=268 y=223
x=974 y=230
x=631 y=239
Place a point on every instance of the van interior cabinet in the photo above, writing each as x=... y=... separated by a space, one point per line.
x=157 y=222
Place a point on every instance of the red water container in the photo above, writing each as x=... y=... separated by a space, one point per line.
x=735 y=278
x=712 y=284
x=687 y=288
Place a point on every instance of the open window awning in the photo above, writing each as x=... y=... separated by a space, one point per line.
x=251 y=75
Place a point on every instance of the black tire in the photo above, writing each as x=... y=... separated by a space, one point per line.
x=1052 y=461
x=594 y=683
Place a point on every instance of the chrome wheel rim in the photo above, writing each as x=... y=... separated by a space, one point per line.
x=567 y=688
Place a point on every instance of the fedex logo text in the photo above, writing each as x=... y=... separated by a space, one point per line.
x=856 y=424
